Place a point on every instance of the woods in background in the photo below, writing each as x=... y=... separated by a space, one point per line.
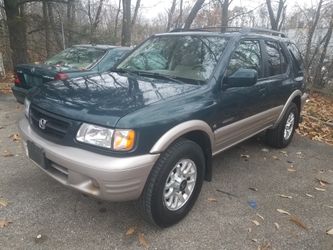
x=31 y=30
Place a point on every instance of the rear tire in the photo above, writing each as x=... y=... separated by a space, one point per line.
x=282 y=134
x=174 y=184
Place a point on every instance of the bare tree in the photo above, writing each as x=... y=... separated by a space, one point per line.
x=126 y=26
x=194 y=11
x=318 y=75
x=117 y=19
x=278 y=18
x=170 y=14
x=312 y=29
x=225 y=13
x=94 y=19
x=136 y=10
x=17 y=30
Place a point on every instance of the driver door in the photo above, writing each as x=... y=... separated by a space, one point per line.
x=242 y=109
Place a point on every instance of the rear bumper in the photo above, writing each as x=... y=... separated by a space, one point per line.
x=104 y=177
x=19 y=93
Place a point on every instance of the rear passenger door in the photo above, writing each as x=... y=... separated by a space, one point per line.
x=277 y=73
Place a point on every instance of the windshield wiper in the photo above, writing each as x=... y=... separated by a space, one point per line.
x=159 y=75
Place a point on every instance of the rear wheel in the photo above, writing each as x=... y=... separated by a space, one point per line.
x=282 y=135
x=174 y=184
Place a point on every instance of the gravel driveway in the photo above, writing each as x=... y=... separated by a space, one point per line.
x=250 y=182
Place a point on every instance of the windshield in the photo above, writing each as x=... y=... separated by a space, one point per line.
x=76 y=58
x=192 y=57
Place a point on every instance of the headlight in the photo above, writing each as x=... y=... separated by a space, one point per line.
x=123 y=139
x=26 y=107
x=95 y=135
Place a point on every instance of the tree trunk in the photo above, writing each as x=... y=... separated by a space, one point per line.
x=117 y=20
x=194 y=11
x=95 y=21
x=170 y=14
x=318 y=74
x=276 y=21
x=53 y=26
x=17 y=31
x=46 y=29
x=310 y=36
x=136 y=11
x=126 y=26
x=225 y=15
x=180 y=17
x=70 y=21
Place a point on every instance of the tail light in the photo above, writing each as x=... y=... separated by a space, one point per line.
x=61 y=76
x=17 y=80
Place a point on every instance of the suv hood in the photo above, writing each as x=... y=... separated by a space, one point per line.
x=104 y=98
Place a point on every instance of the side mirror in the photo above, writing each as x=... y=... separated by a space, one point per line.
x=241 y=78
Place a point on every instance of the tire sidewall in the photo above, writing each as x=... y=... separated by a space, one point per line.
x=292 y=109
x=161 y=214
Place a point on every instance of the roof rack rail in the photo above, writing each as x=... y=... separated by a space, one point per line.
x=223 y=29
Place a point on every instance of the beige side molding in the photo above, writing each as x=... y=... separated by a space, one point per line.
x=290 y=99
x=164 y=142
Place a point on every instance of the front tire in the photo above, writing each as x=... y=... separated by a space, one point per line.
x=173 y=184
x=281 y=136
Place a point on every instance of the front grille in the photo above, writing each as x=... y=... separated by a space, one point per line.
x=55 y=126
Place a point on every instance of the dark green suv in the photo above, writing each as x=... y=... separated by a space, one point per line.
x=148 y=129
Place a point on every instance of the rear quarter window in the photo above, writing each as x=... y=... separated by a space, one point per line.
x=277 y=62
x=296 y=57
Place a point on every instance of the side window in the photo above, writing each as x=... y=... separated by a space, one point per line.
x=296 y=56
x=246 y=56
x=277 y=61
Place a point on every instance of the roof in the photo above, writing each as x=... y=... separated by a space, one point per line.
x=230 y=31
x=99 y=46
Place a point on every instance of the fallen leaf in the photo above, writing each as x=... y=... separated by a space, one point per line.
x=253 y=189
x=245 y=157
x=142 y=241
x=4 y=223
x=255 y=222
x=284 y=152
x=260 y=216
x=211 y=199
x=285 y=196
x=330 y=231
x=277 y=226
x=322 y=184
x=309 y=195
x=15 y=137
x=265 y=246
x=282 y=211
x=320 y=189
x=3 y=202
x=6 y=153
x=255 y=240
x=275 y=157
x=298 y=222
x=130 y=231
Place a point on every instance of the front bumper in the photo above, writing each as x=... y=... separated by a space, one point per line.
x=104 y=177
